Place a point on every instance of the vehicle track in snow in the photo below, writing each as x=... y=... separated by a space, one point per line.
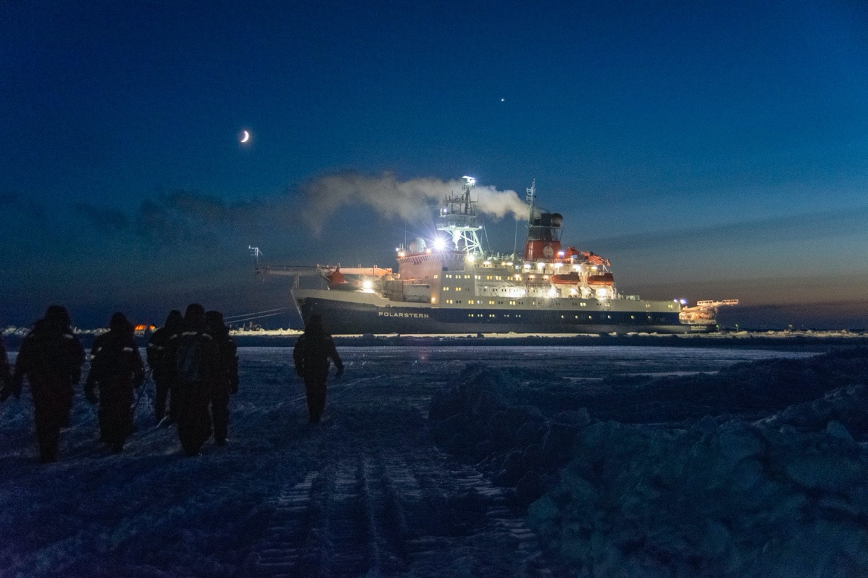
x=381 y=503
x=367 y=494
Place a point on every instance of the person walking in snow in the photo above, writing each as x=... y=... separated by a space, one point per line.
x=226 y=374
x=5 y=368
x=51 y=358
x=311 y=356
x=194 y=361
x=116 y=370
x=159 y=360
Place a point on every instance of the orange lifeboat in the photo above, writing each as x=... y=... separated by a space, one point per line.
x=565 y=278
x=335 y=278
x=601 y=279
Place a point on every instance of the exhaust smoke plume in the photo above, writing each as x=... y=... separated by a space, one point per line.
x=407 y=200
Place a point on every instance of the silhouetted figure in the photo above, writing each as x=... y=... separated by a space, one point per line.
x=51 y=358
x=194 y=356
x=311 y=356
x=160 y=362
x=5 y=369
x=116 y=370
x=226 y=374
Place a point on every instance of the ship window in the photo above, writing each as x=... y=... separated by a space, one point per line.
x=562 y=316
x=448 y=276
x=436 y=276
x=583 y=304
x=467 y=276
x=491 y=314
x=491 y=302
x=470 y=301
x=446 y=288
x=489 y=278
x=478 y=277
x=458 y=288
x=608 y=316
x=632 y=317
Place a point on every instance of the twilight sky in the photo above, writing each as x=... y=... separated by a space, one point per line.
x=708 y=149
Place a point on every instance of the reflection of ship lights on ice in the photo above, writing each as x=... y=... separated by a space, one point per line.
x=367 y=286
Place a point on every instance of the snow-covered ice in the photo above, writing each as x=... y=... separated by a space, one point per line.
x=470 y=461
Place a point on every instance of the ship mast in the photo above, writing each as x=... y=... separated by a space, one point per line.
x=531 y=193
x=458 y=218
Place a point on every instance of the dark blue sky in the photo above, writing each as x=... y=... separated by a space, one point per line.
x=709 y=150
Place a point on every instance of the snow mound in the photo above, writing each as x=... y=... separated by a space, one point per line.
x=735 y=499
x=761 y=476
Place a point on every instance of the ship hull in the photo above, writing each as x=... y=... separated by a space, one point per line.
x=346 y=313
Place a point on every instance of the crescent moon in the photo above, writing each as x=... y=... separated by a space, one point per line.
x=246 y=136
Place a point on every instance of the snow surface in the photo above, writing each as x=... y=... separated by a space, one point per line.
x=469 y=461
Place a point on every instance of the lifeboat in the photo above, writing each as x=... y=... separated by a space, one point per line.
x=604 y=279
x=335 y=278
x=565 y=278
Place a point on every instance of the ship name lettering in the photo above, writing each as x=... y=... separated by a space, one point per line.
x=391 y=314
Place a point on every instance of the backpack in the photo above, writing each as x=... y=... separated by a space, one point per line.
x=190 y=359
x=109 y=360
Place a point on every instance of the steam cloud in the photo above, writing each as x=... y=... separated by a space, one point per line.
x=407 y=200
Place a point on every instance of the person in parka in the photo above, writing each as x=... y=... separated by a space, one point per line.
x=5 y=368
x=194 y=362
x=311 y=356
x=51 y=358
x=116 y=370
x=159 y=360
x=226 y=375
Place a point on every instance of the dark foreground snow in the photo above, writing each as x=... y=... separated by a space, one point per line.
x=534 y=462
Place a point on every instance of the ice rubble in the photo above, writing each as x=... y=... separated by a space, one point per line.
x=753 y=472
